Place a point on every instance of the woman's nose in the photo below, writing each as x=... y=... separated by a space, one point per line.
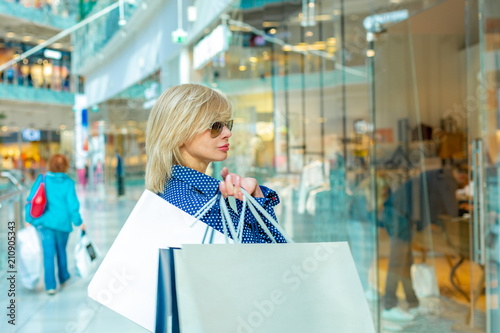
x=226 y=133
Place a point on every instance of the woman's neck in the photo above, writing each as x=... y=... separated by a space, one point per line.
x=195 y=164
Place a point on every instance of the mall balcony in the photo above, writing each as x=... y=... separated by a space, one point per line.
x=55 y=15
x=42 y=81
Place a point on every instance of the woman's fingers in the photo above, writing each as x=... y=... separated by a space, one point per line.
x=229 y=184
x=222 y=189
x=232 y=184
x=237 y=188
x=224 y=172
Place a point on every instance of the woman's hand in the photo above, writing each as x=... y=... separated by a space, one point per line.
x=83 y=226
x=232 y=184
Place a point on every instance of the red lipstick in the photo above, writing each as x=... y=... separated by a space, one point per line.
x=224 y=147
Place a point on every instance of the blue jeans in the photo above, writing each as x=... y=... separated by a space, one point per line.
x=54 y=244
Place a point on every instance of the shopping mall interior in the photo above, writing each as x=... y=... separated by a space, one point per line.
x=377 y=123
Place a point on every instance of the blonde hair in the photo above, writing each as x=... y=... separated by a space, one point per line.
x=180 y=113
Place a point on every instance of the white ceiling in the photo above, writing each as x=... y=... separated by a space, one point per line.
x=23 y=28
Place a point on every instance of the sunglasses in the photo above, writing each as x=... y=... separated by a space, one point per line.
x=217 y=127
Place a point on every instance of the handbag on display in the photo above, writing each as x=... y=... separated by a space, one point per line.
x=424 y=280
x=86 y=255
x=291 y=287
x=39 y=200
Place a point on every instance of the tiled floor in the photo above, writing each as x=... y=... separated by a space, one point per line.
x=72 y=311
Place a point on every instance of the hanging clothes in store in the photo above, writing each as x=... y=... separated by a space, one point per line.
x=314 y=176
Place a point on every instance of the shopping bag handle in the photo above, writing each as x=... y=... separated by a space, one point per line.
x=237 y=235
x=253 y=205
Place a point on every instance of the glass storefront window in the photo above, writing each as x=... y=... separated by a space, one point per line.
x=48 y=69
x=355 y=112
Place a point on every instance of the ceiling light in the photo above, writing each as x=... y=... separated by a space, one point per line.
x=57 y=45
x=272 y=31
x=242 y=68
x=10 y=34
x=26 y=38
x=269 y=24
x=370 y=53
x=253 y=59
x=191 y=13
x=40 y=41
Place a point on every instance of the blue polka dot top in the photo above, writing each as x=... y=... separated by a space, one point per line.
x=189 y=190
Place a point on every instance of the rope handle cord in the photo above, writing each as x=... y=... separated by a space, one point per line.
x=228 y=226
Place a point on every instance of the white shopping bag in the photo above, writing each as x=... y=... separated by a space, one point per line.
x=127 y=279
x=30 y=256
x=424 y=280
x=254 y=288
x=86 y=256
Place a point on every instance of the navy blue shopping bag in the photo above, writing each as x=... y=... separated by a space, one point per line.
x=166 y=304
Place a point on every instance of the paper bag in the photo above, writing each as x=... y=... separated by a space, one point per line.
x=126 y=281
x=256 y=288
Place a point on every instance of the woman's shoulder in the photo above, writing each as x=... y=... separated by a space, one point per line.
x=182 y=195
x=59 y=177
x=175 y=188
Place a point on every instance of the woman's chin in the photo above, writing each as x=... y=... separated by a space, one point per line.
x=222 y=156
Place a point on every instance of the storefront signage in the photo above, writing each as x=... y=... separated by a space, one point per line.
x=373 y=23
x=30 y=134
x=216 y=42
x=52 y=54
x=179 y=36
x=362 y=126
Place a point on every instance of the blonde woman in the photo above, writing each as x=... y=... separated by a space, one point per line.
x=188 y=128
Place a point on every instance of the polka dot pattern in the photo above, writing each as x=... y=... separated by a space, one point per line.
x=189 y=190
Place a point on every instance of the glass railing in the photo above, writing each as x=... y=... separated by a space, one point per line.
x=247 y=4
x=13 y=192
x=355 y=75
x=91 y=39
x=56 y=14
x=30 y=94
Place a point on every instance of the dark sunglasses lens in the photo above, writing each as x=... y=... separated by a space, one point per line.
x=230 y=125
x=216 y=129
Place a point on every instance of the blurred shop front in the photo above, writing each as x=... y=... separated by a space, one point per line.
x=116 y=132
x=29 y=149
x=373 y=120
